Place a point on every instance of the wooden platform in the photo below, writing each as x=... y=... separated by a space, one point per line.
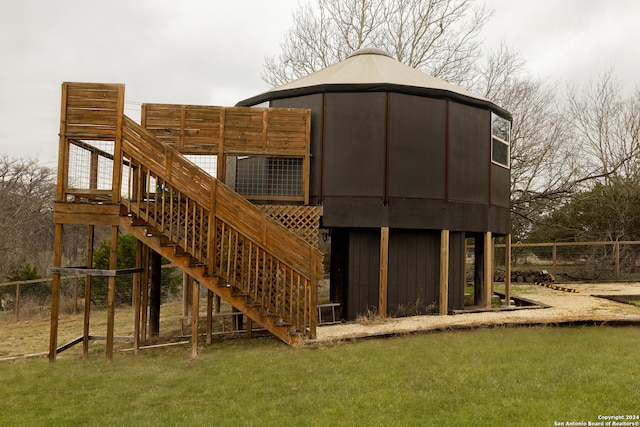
x=115 y=172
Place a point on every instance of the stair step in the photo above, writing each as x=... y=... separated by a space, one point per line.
x=281 y=322
x=137 y=222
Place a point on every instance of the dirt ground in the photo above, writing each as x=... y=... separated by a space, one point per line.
x=563 y=307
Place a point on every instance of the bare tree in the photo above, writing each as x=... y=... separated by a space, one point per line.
x=27 y=191
x=602 y=135
x=544 y=161
x=436 y=36
x=607 y=127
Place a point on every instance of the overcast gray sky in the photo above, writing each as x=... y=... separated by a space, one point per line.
x=211 y=51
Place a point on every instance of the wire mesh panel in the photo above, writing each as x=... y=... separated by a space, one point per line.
x=205 y=162
x=269 y=178
x=90 y=167
x=79 y=162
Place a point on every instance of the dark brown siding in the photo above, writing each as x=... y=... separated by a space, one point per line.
x=500 y=186
x=469 y=153
x=364 y=271
x=416 y=147
x=414 y=271
x=380 y=159
x=354 y=154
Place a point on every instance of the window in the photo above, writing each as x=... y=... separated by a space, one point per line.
x=500 y=141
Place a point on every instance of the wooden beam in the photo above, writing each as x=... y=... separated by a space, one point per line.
x=488 y=269
x=17 y=303
x=444 y=272
x=63 y=148
x=86 y=213
x=617 y=261
x=507 y=269
x=137 y=279
x=384 y=271
x=80 y=271
x=221 y=166
x=144 y=303
x=186 y=294
x=87 y=293
x=209 y=314
x=155 y=293
x=195 y=318
x=55 y=293
x=111 y=295
x=117 y=149
x=478 y=270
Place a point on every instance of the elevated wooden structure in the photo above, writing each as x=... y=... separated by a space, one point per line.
x=135 y=178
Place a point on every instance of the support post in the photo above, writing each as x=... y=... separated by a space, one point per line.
x=16 y=309
x=384 y=271
x=187 y=286
x=444 y=272
x=554 y=259
x=209 y=315
x=249 y=328
x=144 y=303
x=87 y=293
x=75 y=295
x=221 y=166
x=137 y=279
x=155 y=294
x=617 y=250
x=216 y=304
x=55 y=293
x=488 y=269
x=195 y=314
x=111 y=297
x=478 y=271
x=507 y=270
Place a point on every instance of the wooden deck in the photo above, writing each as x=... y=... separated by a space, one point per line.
x=113 y=171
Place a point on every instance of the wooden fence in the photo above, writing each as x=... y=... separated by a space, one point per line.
x=21 y=284
x=577 y=261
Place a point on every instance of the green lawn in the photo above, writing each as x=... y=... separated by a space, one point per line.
x=504 y=376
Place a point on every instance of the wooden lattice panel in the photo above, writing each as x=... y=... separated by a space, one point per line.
x=302 y=220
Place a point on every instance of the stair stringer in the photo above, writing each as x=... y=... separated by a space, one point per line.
x=211 y=282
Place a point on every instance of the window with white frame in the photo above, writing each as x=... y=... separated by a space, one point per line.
x=500 y=141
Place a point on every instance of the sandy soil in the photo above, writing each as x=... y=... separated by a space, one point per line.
x=564 y=307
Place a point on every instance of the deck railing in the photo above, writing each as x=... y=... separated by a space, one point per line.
x=107 y=160
x=231 y=237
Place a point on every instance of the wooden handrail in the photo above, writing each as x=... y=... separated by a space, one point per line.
x=247 y=248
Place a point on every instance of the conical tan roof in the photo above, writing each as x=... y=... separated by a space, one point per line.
x=373 y=70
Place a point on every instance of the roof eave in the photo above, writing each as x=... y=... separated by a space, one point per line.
x=375 y=87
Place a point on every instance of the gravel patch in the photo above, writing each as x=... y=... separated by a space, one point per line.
x=563 y=307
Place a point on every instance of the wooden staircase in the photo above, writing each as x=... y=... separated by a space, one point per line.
x=168 y=203
x=219 y=238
